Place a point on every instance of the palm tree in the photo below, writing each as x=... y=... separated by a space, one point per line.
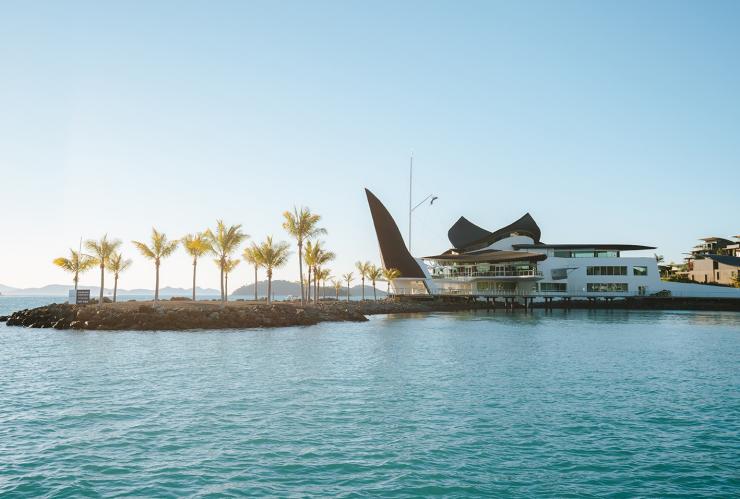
x=362 y=269
x=322 y=275
x=348 y=277
x=250 y=256
x=230 y=265
x=374 y=274
x=101 y=251
x=77 y=263
x=116 y=265
x=337 y=287
x=224 y=242
x=160 y=248
x=196 y=245
x=272 y=256
x=316 y=256
x=310 y=256
x=322 y=258
x=302 y=225
x=388 y=276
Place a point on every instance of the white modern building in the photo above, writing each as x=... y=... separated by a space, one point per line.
x=513 y=262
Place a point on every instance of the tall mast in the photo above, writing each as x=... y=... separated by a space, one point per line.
x=411 y=173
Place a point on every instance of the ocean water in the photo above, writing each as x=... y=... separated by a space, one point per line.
x=560 y=404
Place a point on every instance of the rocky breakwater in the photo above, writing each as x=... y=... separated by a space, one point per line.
x=177 y=316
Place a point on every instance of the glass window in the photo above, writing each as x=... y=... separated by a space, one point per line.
x=562 y=254
x=607 y=270
x=606 y=254
x=583 y=254
x=639 y=270
x=558 y=287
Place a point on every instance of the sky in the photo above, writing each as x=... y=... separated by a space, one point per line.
x=610 y=122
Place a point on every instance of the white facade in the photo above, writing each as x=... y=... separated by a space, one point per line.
x=606 y=273
x=513 y=262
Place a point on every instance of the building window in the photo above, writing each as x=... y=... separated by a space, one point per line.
x=607 y=254
x=556 y=287
x=639 y=270
x=606 y=287
x=586 y=254
x=606 y=270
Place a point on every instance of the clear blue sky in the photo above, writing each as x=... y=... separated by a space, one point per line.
x=608 y=121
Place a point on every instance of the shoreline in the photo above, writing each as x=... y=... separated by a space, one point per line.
x=187 y=315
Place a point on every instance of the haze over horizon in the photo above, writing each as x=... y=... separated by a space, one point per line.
x=609 y=123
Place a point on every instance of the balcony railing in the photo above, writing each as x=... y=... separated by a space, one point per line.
x=513 y=293
x=489 y=273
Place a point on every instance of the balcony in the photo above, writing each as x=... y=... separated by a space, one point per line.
x=514 y=274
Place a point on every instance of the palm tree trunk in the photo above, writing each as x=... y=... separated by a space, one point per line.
x=363 y=288
x=300 y=268
x=347 y=290
x=308 y=285
x=223 y=258
x=375 y=292
x=115 y=287
x=195 y=265
x=255 y=283
x=226 y=287
x=77 y=278
x=102 y=283
x=337 y=290
x=269 y=286
x=156 y=282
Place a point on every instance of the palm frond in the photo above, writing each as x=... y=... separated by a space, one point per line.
x=144 y=250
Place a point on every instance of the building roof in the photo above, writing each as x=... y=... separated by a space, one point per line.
x=617 y=247
x=725 y=259
x=465 y=235
x=710 y=239
x=488 y=256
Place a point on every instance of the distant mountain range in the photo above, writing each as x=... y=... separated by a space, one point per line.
x=63 y=290
x=287 y=288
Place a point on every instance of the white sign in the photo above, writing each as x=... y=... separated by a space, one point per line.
x=80 y=297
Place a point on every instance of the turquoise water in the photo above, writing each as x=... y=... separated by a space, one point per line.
x=542 y=404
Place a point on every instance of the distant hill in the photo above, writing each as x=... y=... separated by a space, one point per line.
x=63 y=290
x=286 y=288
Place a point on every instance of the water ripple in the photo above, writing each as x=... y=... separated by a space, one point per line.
x=610 y=403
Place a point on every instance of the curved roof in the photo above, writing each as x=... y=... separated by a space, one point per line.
x=393 y=251
x=488 y=256
x=465 y=235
